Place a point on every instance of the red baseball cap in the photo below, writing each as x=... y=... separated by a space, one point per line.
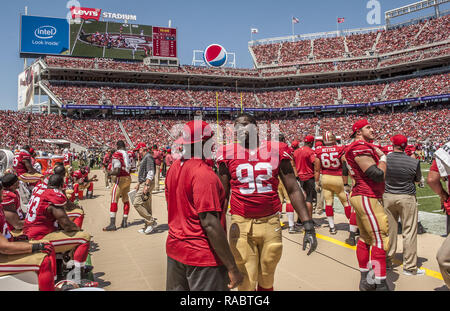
x=399 y=140
x=194 y=132
x=140 y=146
x=295 y=144
x=309 y=139
x=358 y=125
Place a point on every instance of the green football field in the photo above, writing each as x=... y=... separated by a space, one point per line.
x=427 y=199
x=79 y=48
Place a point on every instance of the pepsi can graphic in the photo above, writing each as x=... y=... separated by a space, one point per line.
x=215 y=55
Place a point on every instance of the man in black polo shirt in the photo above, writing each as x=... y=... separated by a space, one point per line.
x=400 y=201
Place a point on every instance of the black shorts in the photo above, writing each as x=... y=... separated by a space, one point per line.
x=309 y=186
x=181 y=277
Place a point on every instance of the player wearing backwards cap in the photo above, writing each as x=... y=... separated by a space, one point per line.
x=304 y=161
x=367 y=165
x=250 y=169
x=198 y=255
x=121 y=170
x=441 y=169
x=329 y=165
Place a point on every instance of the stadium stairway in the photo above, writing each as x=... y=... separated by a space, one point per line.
x=374 y=47
x=420 y=31
x=125 y=134
x=50 y=94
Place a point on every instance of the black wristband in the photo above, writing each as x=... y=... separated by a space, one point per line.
x=37 y=247
x=309 y=226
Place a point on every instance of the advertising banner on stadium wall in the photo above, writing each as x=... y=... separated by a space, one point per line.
x=44 y=35
x=25 y=89
x=306 y=109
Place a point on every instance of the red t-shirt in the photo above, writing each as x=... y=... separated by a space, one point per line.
x=254 y=177
x=364 y=185
x=18 y=164
x=304 y=162
x=434 y=168
x=192 y=188
x=330 y=162
x=12 y=198
x=39 y=222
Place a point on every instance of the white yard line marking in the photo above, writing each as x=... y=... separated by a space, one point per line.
x=428 y=197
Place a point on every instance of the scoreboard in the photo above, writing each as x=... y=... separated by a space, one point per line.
x=164 y=42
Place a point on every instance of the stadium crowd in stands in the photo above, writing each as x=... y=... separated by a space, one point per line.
x=24 y=128
x=136 y=96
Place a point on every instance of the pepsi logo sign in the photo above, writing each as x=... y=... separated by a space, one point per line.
x=45 y=32
x=215 y=55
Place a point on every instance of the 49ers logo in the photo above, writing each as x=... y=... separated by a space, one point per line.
x=85 y=13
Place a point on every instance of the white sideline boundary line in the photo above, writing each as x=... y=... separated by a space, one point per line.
x=428 y=197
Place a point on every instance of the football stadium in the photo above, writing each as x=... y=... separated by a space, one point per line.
x=321 y=167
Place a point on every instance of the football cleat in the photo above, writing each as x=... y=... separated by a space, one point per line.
x=351 y=239
x=294 y=230
x=364 y=285
x=333 y=231
x=382 y=287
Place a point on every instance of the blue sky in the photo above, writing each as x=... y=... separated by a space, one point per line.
x=199 y=24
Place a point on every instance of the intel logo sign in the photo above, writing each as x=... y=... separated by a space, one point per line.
x=45 y=32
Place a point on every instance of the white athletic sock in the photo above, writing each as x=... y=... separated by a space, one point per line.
x=112 y=214
x=353 y=228
x=290 y=216
x=331 y=221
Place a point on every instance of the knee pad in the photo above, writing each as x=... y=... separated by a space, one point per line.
x=270 y=257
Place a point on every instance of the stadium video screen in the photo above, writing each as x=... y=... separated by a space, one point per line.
x=111 y=40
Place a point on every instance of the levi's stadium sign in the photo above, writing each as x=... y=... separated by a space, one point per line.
x=85 y=13
x=95 y=14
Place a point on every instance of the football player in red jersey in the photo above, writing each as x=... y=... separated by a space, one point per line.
x=23 y=167
x=304 y=158
x=441 y=169
x=46 y=207
x=18 y=256
x=367 y=165
x=11 y=204
x=74 y=211
x=328 y=164
x=121 y=170
x=250 y=170
x=81 y=181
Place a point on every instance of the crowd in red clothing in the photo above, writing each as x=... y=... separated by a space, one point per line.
x=134 y=96
x=397 y=39
x=24 y=128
